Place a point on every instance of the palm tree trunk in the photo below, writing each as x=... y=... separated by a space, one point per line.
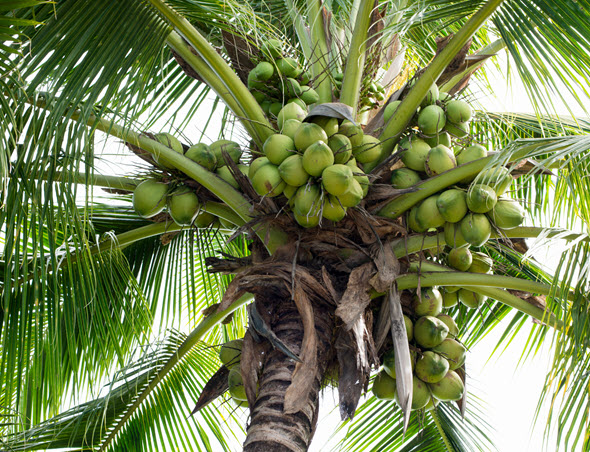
x=270 y=429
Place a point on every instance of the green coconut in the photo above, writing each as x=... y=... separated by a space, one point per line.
x=507 y=214
x=278 y=147
x=264 y=71
x=307 y=221
x=309 y=95
x=459 y=130
x=224 y=173
x=170 y=141
x=413 y=223
x=290 y=111
x=428 y=215
x=404 y=178
x=452 y=205
x=450 y=298
x=341 y=148
x=259 y=96
x=389 y=361
x=471 y=153
x=444 y=97
x=471 y=299
x=431 y=367
x=409 y=328
x=430 y=331
x=336 y=179
x=439 y=159
x=420 y=394
x=431 y=96
x=476 y=228
x=453 y=235
x=453 y=352
x=460 y=258
x=236 y=385
x=384 y=387
x=201 y=153
x=440 y=138
x=306 y=77
x=448 y=321
x=272 y=47
x=317 y=157
x=288 y=67
x=353 y=196
x=290 y=126
x=498 y=178
x=329 y=124
x=450 y=388
x=414 y=152
x=353 y=132
x=390 y=109
x=289 y=191
x=204 y=220
x=369 y=150
x=307 y=200
x=428 y=302
x=431 y=120
x=183 y=206
x=332 y=209
x=292 y=89
x=253 y=82
x=293 y=172
x=230 y=353
x=482 y=263
x=265 y=105
x=481 y=198
x=307 y=134
x=299 y=102
x=255 y=165
x=267 y=181
x=149 y=198
x=231 y=147
x=458 y=111
x=275 y=108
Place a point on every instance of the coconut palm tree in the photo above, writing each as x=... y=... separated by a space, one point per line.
x=112 y=322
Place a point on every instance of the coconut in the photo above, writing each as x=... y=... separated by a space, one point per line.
x=278 y=147
x=267 y=181
x=450 y=297
x=336 y=179
x=276 y=107
x=201 y=154
x=390 y=109
x=309 y=95
x=149 y=198
x=259 y=96
x=230 y=353
x=448 y=321
x=507 y=214
x=316 y=158
x=414 y=152
x=292 y=89
x=409 y=328
x=444 y=97
x=420 y=394
x=481 y=198
x=264 y=71
x=353 y=132
x=431 y=119
x=254 y=83
x=430 y=331
x=353 y=196
x=272 y=48
x=332 y=209
x=482 y=263
x=307 y=200
x=256 y=164
x=471 y=299
x=289 y=190
x=404 y=178
x=427 y=215
x=307 y=134
x=307 y=221
x=329 y=124
x=458 y=111
x=231 y=147
x=384 y=387
x=476 y=228
x=224 y=173
x=498 y=178
x=431 y=96
x=450 y=388
x=471 y=153
x=458 y=130
x=170 y=141
x=431 y=367
x=453 y=352
x=341 y=148
x=204 y=220
x=290 y=111
x=413 y=223
x=290 y=127
x=389 y=361
x=292 y=171
x=299 y=102
x=452 y=205
x=440 y=138
x=439 y=159
x=460 y=258
x=428 y=302
x=265 y=105
x=453 y=235
x=183 y=206
x=368 y=151
x=288 y=67
x=236 y=385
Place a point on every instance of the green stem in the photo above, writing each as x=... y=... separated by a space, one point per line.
x=404 y=113
x=320 y=60
x=192 y=339
x=253 y=114
x=442 y=433
x=301 y=30
x=355 y=61
x=97 y=180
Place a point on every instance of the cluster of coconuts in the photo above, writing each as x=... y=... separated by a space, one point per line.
x=372 y=92
x=151 y=197
x=435 y=353
x=230 y=354
x=315 y=165
x=278 y=80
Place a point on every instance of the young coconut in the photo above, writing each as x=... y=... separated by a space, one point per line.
x=307 y=134
x=452 y=205
x=428 y=302
x=440 y=138
x=290 y=111
x=482 y=263
x=431 y=120
x=430 y=331
x=459 y=130
x=389 y=361
x=236 y=385
x=460 y=258
x=448 y=321
x=336 y=179
x=183 y=206
x=450 y=388
x=230 y=353
x=384 y=387
x=292 y=171
x=481 y=198
x=453 y=235
x=201 y=153
x=289 y=128
x=420 y=394
x=471 y=299
x=498 y=178
x=231 y=147
x=255 y=165
x=507 y=214
x=369 y=150
x=316 y=158
x=341 y=148
x=149 y=198
x=332 y=209
x=450 y=298
x=170 y=141
x=307 y=200
x=458 y=111
x=414 y=152
x=353 y=196
x=471 y=153
x=431 y=367
x=476 y=228
x=453 y=352
x=404 y=178
x=439 y=159
x=427 y=215
x=267 y=181
x=329 y=124
x=278 y=147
